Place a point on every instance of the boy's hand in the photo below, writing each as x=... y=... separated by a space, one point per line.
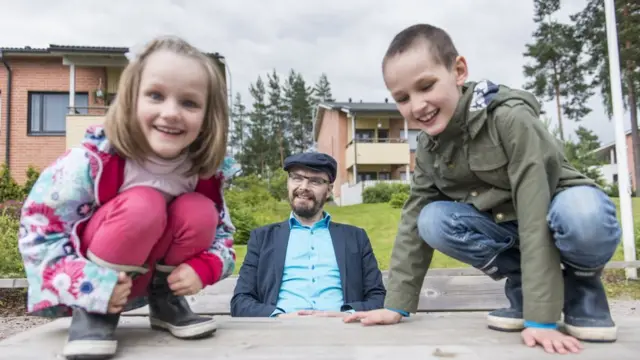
x=183 y=281
x=551 y=340
x=120 y=294
x=374 y=317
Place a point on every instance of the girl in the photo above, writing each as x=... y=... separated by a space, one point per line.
x=493 y=189
x=136 y=214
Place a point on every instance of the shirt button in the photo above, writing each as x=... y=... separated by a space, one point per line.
x=313 y=248
x=474 y=193
x=313 y=280
x=313 y=267
x=499 y=216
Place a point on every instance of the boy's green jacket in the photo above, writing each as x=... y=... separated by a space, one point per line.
x=497 y=155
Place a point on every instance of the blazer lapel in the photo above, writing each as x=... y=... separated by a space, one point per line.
x=339 y=246
x=281 y=236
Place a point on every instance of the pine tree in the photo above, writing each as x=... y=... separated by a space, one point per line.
x=240 y=126
x=322 y=90
x=276 y=112
x=257 y=145
x=557 y=72
x=591 y=30
x=581 y=156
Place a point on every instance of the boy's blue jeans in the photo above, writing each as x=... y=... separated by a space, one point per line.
x=582 y=221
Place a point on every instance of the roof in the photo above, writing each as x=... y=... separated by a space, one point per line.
x=610 y=144
x=352 y=108
x=55 y=49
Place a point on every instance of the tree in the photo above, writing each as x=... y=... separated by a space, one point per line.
x=581 y=156
x=591 y=31
x=240 y=125
x=557 y=72
x=276 y=110
x=259 y=143
x=322 y=90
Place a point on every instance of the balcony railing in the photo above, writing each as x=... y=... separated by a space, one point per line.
x=79 y=119
x=378 y=141
x=391 y=151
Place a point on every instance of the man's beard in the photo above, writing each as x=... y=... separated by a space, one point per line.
x=306 y=211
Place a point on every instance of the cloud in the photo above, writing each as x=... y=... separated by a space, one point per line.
x=344 y=38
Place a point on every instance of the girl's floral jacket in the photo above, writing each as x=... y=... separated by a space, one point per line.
x=54 y=214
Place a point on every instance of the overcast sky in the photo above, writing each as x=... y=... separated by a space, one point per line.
x=343 y=38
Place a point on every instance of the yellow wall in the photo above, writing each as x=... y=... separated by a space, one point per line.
x=77 y=126
x=113 y=79
x=378 y=154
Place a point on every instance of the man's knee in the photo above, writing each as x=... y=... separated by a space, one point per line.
x=585 y=227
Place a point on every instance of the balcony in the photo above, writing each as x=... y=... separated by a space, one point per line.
x=386 y=151
x=77 y=124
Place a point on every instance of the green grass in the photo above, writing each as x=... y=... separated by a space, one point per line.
x=381 y=223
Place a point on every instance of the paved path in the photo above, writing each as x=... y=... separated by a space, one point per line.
x=458 y=336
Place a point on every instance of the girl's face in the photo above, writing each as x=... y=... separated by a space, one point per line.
x=425 y=91
x=172 y=102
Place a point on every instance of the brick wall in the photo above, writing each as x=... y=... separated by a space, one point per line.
x=40 y=74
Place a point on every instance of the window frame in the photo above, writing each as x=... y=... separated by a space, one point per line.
x=31 y=94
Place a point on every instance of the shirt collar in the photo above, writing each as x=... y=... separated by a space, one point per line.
x=322 y=223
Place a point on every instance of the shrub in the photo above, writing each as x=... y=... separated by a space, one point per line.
x=11 y=209
x=398 y=199
x=250 y=207
x=10 y=258
x=9 y=188
x=382 y=192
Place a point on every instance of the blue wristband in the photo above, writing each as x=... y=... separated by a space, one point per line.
x=401 y=312
x=533 y=324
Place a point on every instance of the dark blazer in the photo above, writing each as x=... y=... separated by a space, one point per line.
x=258 y=285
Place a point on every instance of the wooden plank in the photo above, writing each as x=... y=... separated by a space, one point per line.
x=468 y=271
x=460 y=336
x=439 y=293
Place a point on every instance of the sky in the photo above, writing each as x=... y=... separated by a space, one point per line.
x=345 y=39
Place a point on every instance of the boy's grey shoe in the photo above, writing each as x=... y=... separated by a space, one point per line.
x=586 y=310
x=91 y=336
x=507 y=264
x=172 y=313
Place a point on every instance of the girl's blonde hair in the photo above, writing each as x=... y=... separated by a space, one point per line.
x=209 y=149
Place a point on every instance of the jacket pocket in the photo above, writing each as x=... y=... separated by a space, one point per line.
x=490 y=164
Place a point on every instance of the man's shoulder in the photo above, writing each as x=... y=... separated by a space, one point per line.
x=264 y=229
x=346 y=227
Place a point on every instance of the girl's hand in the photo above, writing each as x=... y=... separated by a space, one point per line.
x=120 y=294
x=553 y=341
x=183 y=280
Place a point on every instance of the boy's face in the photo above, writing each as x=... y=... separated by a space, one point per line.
x=426 y=92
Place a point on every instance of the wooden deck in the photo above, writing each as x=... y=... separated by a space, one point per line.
x=451 y=325
x=459 y=336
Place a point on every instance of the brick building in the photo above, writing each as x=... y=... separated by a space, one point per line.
x=48 y=97
x=371 y=143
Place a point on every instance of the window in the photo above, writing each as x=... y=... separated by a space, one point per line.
x=365 y=135
x=413 y=139
x=48 y=112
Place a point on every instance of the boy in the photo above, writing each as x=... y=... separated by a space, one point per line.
x=492 y=188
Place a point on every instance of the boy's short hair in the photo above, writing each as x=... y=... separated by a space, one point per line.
x=440 y=44
x=207 y=152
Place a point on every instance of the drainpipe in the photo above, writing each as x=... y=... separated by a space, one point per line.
x=7 y=150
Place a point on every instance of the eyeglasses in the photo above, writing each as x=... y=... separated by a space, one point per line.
x=313 y=180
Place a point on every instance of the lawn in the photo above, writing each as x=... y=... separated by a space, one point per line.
x=381 y=222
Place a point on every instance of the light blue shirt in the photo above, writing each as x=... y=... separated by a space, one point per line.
x=311 y=277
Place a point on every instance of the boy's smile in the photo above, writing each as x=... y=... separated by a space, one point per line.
x=425 y=91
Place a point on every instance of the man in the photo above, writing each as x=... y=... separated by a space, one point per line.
x=308 y=265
